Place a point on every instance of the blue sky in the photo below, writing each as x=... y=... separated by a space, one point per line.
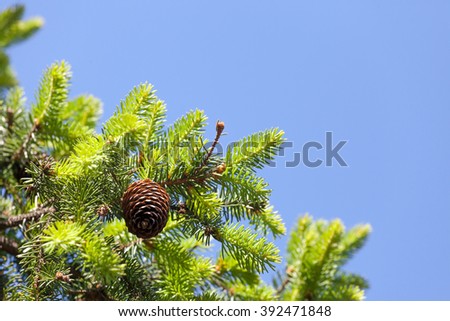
x=375 y=73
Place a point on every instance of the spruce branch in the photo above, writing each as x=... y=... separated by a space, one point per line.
x=9 y=246
x=88 y=251
x=185 y=128
x=330 y=239
x=316 y=252
x=36 y=214
x=251 y=252
x=256 y=150
x=51 y=98
x=13 y=29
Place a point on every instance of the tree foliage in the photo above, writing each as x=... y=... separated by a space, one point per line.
x=13 y=30
x=316 y=252
x=62 y=232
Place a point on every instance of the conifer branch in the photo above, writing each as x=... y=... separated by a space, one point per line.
x=88 y=251
x=13 y=221
x=9 y=245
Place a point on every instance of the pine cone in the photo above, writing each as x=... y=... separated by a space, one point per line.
x=145 y=207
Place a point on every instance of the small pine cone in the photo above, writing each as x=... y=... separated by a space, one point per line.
x=145 y=207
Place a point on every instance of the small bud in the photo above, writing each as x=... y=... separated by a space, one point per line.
x=257 y=207
x=37 y=124
x=62 y=277
x=209 y=231
x=290 y=270
x=103 y=210
x=110 y=140
x=220 y=125
x=149 y=244
x=30 y=189
x=220 y=266
x=182 y=208
x=221 y=168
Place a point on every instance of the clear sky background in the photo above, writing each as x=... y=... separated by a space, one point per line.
x=375 y=73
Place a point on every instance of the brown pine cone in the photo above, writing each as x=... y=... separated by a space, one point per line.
x=145 y=207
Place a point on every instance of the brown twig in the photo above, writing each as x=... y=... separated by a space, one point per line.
x=184 y=180
x=135 y=242
x=286 y=281
x=19 y=153
x=229 y=290
x=219 y=129
x=18 y=219
x=283 y=286
x=96 y=293
x=9 y=246
x=37 y=279
x=40 y=255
